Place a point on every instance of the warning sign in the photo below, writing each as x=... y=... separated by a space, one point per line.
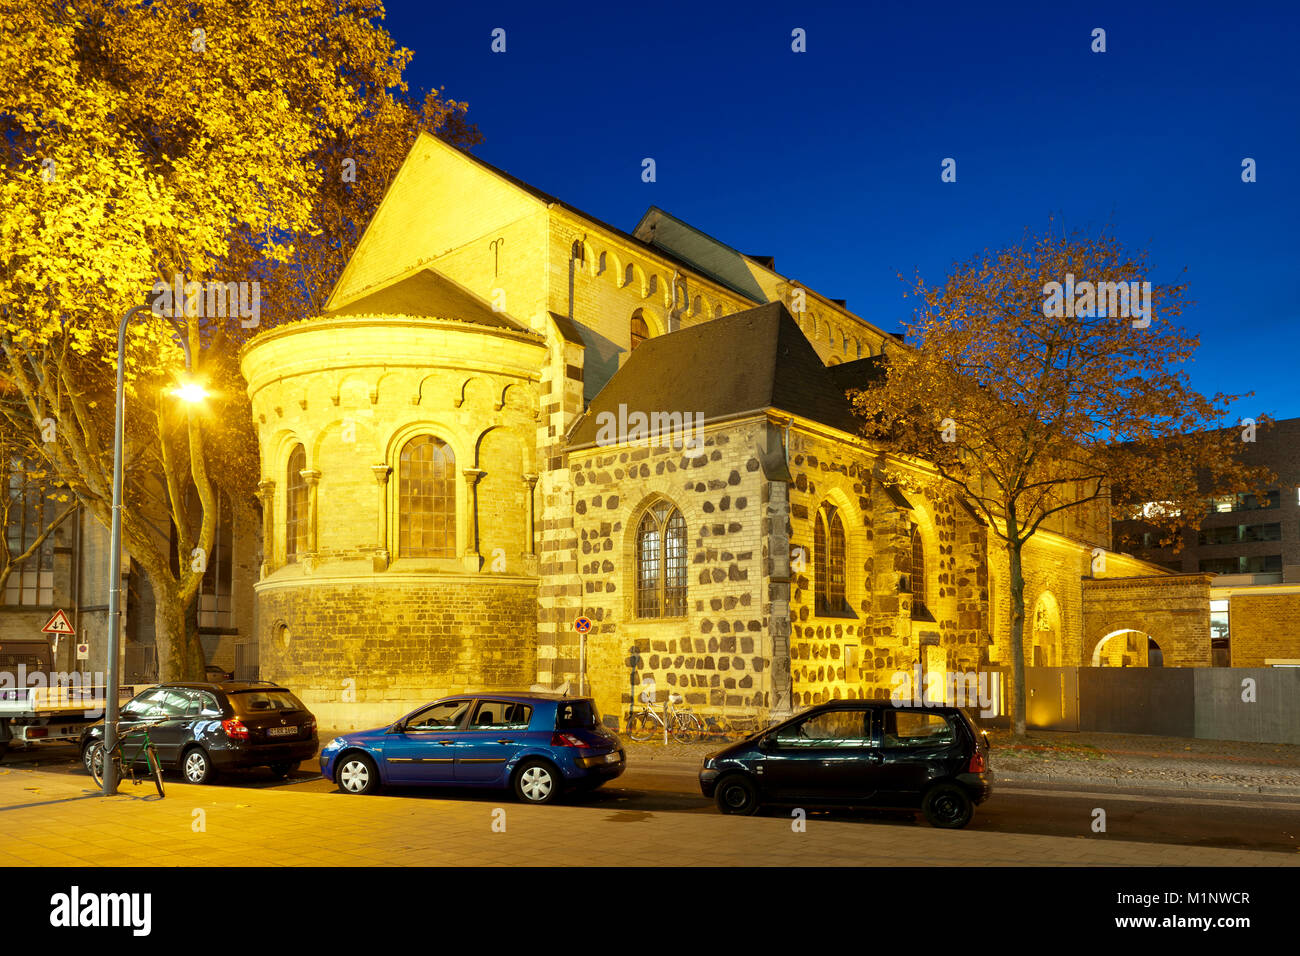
x=58 y=624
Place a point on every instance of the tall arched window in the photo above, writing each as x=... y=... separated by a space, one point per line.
x=295 y=505
x=661 y=562
x=577 y=252
x=426 y=499
x=640 y=329
x=828 y=554
x=916 y=577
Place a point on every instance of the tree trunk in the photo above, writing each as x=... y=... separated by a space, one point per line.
x=1017 y=634
x=180 y=654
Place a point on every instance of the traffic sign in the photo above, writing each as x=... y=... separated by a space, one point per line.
x=58 y=624
x=582 y=625
x=83 y=652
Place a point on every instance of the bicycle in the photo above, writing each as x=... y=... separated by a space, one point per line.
x=683 y=725
x=95 y=759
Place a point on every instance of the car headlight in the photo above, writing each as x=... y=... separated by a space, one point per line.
x=334 y=744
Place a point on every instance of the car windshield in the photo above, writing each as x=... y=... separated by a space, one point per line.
x=579 y=714
x=261 y=701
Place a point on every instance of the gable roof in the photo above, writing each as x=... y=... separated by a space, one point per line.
x=429 y=294
x=746 y=362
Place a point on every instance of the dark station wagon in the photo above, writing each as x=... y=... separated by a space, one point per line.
x=858 y=754
x=203 y=728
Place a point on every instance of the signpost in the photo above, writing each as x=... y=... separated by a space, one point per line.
x=582 y=625
x=58 y=624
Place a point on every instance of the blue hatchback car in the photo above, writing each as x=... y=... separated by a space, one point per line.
x=536 y=744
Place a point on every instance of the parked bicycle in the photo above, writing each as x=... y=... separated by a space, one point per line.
x=682 y=725
x=144 y=750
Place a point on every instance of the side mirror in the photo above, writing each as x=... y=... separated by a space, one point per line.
x=767 y=744
x=397 y=728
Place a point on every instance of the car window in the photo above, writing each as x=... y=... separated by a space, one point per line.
x=446 y=715
x=833 y=728
x=157 y=702
x=905 y=729
x=264 y=701
x=501 y=715
x=581 y=714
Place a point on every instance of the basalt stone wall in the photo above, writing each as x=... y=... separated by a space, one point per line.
x=717 y=654
x=856 y=653
x=363 y=651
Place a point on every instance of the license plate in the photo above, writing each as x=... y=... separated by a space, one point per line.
x=611 y=758
x=281 y=731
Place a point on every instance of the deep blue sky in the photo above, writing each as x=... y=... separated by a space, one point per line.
x=829 y=160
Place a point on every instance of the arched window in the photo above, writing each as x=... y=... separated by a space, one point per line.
x=295 y=505
x=628 y=275
x=661 y=563
x=916 y=577
x=640 y=329
x=577 y=252
x=828 y=554
x=426 y=499
x=600 y=264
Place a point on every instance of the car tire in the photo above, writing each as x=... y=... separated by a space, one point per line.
x=86 y=751
x=537 y=782
x=281 y=770
x=356 y=773
x=736 y=794
x=948 y=807
x=196 y=766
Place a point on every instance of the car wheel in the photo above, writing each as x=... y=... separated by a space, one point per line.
x=357 y=773
x=86 y=752
x=282 y=769
x=536 y=781
x=736 y=794
x=948 y=806
x=196 y=766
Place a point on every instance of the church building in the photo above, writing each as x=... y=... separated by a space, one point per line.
x=512 y=415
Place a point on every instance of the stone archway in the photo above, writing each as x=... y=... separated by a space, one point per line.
x=1125 y=647
x=1043 y=647
x=1172 y=611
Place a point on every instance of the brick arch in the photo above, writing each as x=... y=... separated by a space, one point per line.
x=1174 y=610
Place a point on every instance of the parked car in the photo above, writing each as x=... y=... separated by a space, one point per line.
x=858 y=753
x=217 y=675
x=533 y=743
x=204 y=728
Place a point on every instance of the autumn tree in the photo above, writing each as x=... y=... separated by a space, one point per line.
x=146 y=142
x=1037 y=385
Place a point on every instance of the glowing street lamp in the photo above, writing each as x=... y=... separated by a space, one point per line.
x=189 y=391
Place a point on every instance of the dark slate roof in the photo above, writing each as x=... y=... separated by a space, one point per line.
x=430 y=294
x=752 y=360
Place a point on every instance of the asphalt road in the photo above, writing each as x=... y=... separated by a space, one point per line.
x=1246 y=822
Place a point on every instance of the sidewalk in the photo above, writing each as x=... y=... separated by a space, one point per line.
x=49 y=819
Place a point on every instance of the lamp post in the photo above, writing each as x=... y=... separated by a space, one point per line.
x=115 y=545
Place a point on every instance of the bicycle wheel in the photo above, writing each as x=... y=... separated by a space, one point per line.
x=642 y=726
x=155 y=768
x=686 y=727
x=96 y=764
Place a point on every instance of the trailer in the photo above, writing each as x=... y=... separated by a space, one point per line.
x=39 y=705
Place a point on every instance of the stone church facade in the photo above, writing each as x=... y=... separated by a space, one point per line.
x=443 y=495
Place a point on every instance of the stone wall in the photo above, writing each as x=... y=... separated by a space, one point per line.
x=1264 y=627
x=1174 y=610
x=362 y=651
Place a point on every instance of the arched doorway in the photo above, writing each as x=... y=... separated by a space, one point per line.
x=1043 y=646
x=1127 y=648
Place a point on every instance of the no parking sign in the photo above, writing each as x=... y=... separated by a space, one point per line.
x=582 y=625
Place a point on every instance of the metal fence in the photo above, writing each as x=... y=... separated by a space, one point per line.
x=246 y=663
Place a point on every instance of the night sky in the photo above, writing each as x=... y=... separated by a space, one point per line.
x=829 y=160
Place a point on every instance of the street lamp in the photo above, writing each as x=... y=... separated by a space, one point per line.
x=192 y=392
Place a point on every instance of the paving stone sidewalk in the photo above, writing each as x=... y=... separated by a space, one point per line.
x=49 y=819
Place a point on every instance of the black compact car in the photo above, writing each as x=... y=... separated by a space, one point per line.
x=858 y=754
x=202 y=728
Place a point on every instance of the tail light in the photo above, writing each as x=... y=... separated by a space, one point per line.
x=977 y=762
x=567 y=740
x=311 y=724
x=235 y=729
